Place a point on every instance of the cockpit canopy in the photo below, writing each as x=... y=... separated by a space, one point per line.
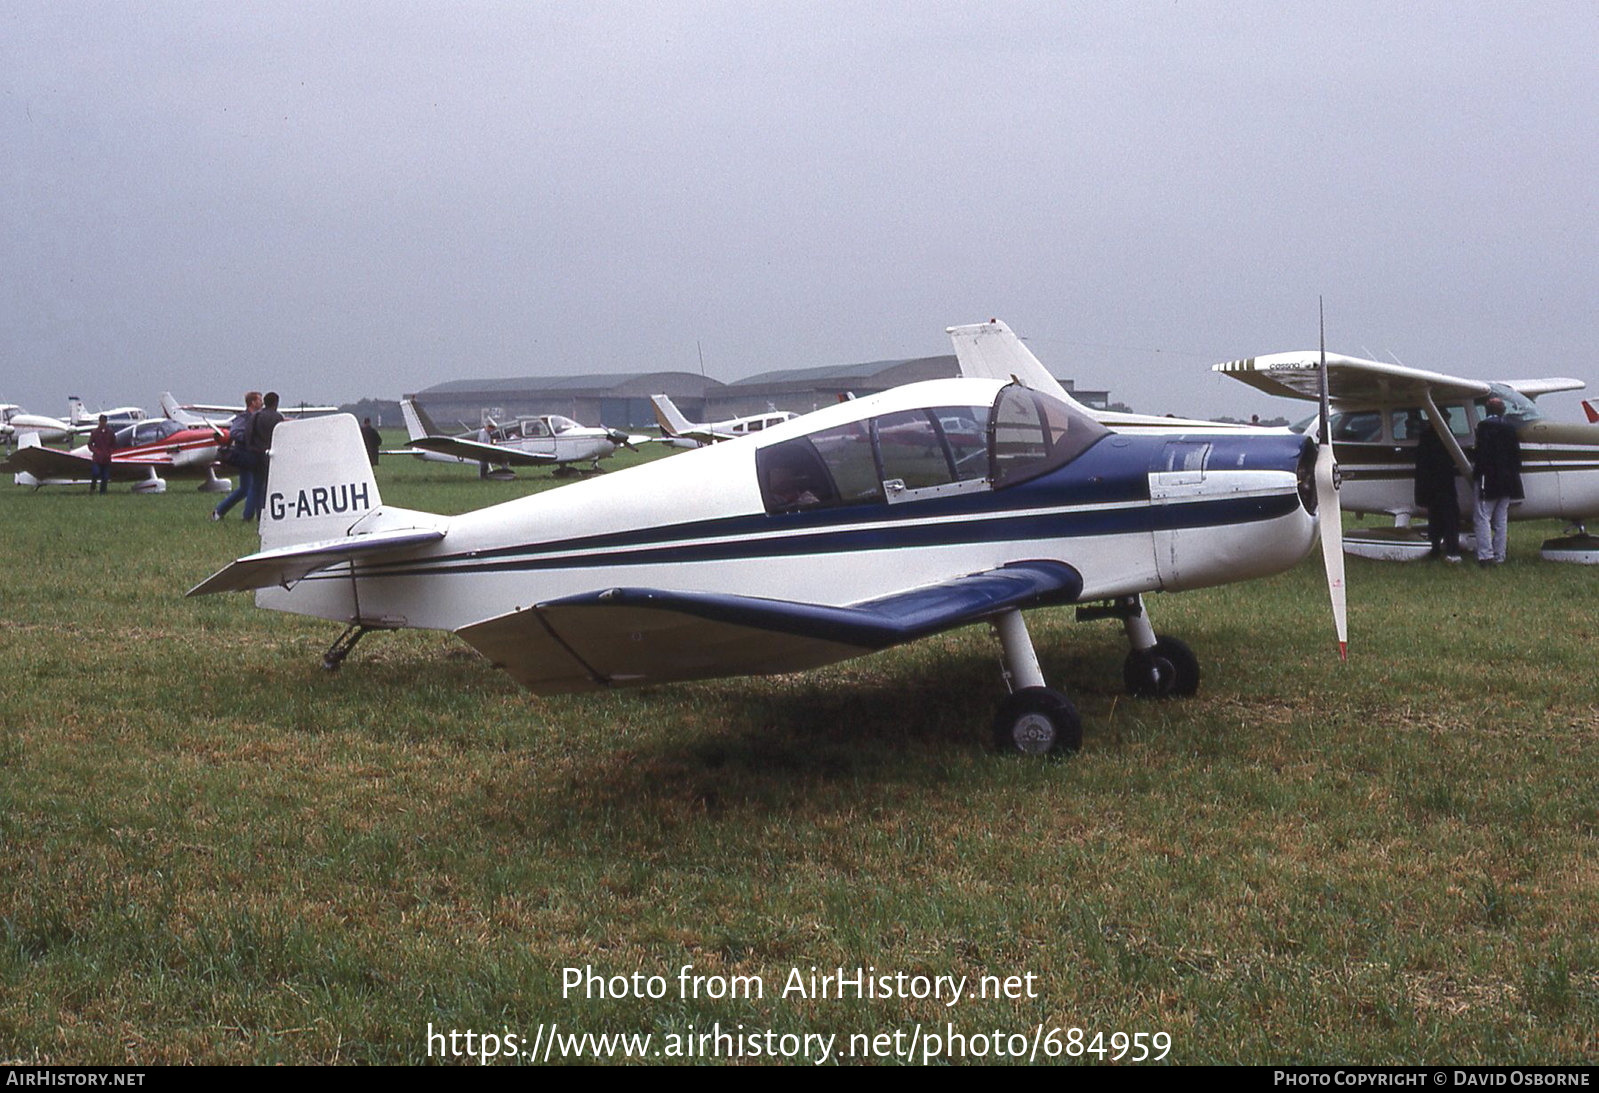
x=925 y=452
x=147 y=432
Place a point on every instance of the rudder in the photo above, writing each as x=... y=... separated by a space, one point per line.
x=319 y=481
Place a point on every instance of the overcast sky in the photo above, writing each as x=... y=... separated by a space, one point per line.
x=347 y=199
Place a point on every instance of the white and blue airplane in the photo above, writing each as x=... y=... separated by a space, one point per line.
x=544 y=440
x=854 y=528
x=679 y=430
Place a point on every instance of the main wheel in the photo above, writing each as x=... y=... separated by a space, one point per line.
x=1038 y=721
x=1169 y=669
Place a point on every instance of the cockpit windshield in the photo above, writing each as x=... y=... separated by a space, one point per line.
x=1032 y=434
x=1519 y=409
x=147 y=432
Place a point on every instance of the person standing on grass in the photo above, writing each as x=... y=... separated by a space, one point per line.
x=260 y=443
x=1435 y=490
x=102 y=442
x=373 y=440
x=238 y=456
x=1496 y=466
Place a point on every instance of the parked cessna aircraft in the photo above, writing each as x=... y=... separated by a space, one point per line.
x=548 y=440
x=805 y=544
x=692 y=434
x=1380 y=409
x=144 y=452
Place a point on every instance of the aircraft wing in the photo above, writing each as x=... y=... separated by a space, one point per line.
x=498 y=454
x=1355 y=382
x=285 y=565
x=53 y=463
x=634 y=636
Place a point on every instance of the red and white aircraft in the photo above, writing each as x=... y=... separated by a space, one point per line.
x=145 y=451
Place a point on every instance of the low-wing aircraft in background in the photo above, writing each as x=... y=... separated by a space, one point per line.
x=1379 y=412
x=676 y=428
x=145 y=452
x=199 y=414
x=547 y=440
x=805 y=544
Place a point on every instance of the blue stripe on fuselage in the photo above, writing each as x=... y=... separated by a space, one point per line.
x=1110 y=481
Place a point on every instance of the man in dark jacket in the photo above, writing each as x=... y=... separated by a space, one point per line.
x=237 y=455
x=1435 y=490
x=1497 y=470
x=102 y=442
x=260 y=443
x=373 y=440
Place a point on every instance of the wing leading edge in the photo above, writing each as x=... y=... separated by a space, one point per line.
x=1352 y=381
x=636 y=636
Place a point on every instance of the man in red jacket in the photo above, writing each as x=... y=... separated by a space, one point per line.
x=102 y=442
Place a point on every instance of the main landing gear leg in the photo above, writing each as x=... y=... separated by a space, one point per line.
x=1034 y=720
x=1156 y=666
x=341 y=648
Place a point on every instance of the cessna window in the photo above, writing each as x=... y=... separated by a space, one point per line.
x=1357 y=426
x=1031 y=434
x=1400 y=422
x=535 y=428
x=561 y=424
x=1519 y=409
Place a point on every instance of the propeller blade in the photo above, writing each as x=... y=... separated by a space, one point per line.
x=1331 y=524
x=1329 y=517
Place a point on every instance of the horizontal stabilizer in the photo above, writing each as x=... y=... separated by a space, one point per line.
x=631 y=636
x=285 y=565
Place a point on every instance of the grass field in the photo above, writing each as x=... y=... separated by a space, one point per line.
x=212 y=851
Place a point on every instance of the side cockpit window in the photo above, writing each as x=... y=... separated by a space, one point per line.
x=1032 y=434
x=927 y=452
x=831 y=467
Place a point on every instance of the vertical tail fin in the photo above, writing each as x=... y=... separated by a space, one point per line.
x=1589 y=409
x=417 y=422
x=991 y=350
x=669 y=417
x=319 y=482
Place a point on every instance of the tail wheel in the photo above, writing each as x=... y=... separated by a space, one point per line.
x=1168 y=669
x=1038 y=721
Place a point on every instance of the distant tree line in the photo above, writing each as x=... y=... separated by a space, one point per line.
x=382 y=411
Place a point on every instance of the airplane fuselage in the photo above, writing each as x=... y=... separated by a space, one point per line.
x=1131 y=514
x=1559 y=472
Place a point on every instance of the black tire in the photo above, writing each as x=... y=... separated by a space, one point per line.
x=1038 y=721
x=1167 y=670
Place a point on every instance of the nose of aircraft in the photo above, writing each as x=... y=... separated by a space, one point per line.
x=1237 y=507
